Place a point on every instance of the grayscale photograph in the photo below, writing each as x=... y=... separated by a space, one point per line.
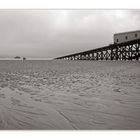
x=69 y=69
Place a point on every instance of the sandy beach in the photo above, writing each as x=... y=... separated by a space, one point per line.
x=69 y=95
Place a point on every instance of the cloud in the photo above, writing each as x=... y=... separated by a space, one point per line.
x=52 y=33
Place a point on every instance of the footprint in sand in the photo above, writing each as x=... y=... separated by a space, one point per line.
x=81 y=95
x=2 y=96
x=117 y=90
x=119 y=101
x=38 y=100
x=19 y=93
x=52 y=95
x=33 y=94
x=15 y=101
x=3 y=85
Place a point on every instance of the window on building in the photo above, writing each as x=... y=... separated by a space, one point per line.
x=117 y=40
x=136 y=35
x=126 y=37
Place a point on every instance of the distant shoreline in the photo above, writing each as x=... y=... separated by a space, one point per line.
x=26 y=59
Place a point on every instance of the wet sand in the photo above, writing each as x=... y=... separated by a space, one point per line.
x=69 y=95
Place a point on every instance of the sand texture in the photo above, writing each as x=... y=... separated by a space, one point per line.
x=69 y=95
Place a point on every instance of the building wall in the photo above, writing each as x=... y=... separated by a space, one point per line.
x=127 y=36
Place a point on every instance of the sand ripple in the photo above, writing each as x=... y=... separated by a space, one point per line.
x=69 y=95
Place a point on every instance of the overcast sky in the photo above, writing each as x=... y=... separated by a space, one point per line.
x=53 y=33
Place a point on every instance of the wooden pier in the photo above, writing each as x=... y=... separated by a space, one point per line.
x=124 y=51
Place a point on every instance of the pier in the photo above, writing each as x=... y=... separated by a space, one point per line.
x=121 y=51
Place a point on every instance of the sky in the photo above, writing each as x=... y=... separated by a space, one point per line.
x=54 y=33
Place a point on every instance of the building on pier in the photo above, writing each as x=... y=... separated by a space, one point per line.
x=126 y=36
x=126 y=47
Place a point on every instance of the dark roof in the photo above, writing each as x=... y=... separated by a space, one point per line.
x=127 y=32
